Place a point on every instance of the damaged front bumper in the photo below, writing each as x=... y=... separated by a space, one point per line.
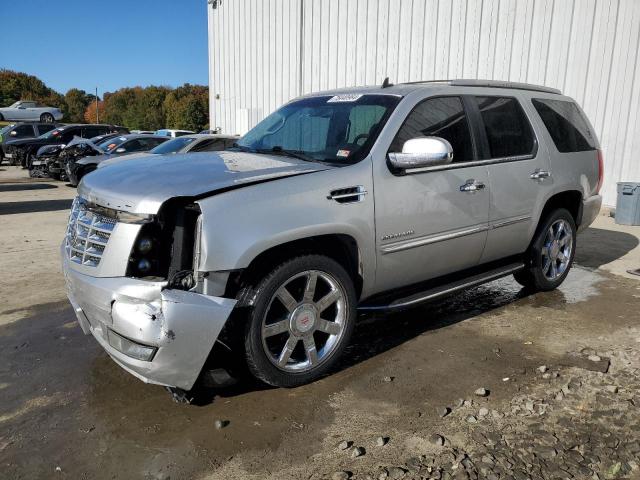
x=180 y=327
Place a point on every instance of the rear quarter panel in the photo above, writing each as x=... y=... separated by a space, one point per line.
x=576 y=171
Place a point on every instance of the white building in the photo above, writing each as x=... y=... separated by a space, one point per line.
x=265 y=52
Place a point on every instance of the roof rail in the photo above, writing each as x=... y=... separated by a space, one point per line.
x=492 y=84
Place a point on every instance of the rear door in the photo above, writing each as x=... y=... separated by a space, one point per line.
x=519 y=171
x=431 y=223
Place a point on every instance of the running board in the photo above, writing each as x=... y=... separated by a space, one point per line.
x=445 y=289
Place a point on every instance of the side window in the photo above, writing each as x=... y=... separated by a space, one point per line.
x=68 y=135
x=24 y=130
x=566 y=125
x=28 y=105
x=132 y=146
x=46 y=127
x=508 y=130
x=442 y=117
x=210 y=145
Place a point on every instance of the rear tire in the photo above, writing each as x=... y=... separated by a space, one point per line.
x=302 y=318
x=551 y=253
x=47 y=118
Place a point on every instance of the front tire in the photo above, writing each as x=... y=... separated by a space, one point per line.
x=47 y=118
x=551 y=253
x=302 y=318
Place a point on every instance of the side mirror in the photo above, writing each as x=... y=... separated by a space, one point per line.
x=422 y=152
x=120 y=150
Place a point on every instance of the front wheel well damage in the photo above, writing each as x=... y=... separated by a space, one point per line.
x=341 y=248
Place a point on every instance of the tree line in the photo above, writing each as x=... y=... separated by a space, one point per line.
x=141 y=108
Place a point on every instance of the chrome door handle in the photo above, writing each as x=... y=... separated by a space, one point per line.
x=540 y=174
x=472 y=186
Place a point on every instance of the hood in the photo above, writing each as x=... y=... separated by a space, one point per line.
x=95 y=159
x=110 y=160
x=49 y=150
x=142 y=185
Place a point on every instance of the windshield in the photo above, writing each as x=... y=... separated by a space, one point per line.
x=111 y=143
x=14 y=105
x=52 y=133
x=338 y=129
x=172 y=146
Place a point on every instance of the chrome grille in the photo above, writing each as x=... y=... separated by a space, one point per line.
x=87 y=234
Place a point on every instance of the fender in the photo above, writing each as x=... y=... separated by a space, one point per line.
x=239 y=225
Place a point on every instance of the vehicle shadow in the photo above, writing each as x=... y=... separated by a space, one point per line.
x=597 y=246
x=9 y=208
x=378 y=333
x=16 y=187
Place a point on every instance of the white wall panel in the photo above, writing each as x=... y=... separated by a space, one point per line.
x=265 y=52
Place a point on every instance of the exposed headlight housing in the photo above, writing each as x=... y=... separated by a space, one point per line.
x=119 y=215
x=130 y=348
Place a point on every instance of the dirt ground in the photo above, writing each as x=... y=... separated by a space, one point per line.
x=560 y=370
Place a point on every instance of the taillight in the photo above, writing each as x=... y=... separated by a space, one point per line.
x=600 y=171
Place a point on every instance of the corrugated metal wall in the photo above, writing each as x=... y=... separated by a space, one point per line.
x=265 y=52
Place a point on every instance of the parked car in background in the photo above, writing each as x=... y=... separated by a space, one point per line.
x=30 y=111
x=186 y=144
x=143 y=132
x=17 y=131
x=360 y=199
x=168 y=132
x=49 y=161
x=112 y=148
x=210 y=132
x=21 y=151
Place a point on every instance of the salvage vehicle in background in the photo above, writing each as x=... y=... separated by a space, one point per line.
x=16 y=131
x=21 y=151
x=30 y=111
x=370 y=199
x=112 y=148
x=186 y=144
x=50 y=160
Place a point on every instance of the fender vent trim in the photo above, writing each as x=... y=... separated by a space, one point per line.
x=348 y=194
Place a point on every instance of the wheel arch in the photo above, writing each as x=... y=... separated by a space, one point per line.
x=570 y=200
x=341 y=247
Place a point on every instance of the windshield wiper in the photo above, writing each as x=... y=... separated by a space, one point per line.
x=278 y=150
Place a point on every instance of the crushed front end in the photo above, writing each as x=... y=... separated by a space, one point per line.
x=131 y=281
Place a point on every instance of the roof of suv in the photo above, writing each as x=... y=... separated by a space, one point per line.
x=406 y=88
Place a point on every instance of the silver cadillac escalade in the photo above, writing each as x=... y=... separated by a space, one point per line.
x=369 y=199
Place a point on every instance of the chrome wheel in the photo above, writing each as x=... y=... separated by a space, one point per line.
x=557 y=249
x=304 y=321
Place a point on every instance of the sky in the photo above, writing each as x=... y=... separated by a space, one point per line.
x=106 y=44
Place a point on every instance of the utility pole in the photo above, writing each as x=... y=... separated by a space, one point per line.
x=97 y=114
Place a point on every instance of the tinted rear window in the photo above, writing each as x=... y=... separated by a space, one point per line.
x=508 y=131
x=566 y=125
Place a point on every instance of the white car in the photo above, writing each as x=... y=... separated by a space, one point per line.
x=29 y=111
x=169 y=132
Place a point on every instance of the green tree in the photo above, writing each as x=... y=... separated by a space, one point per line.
x=77 y=102
x=187 y=107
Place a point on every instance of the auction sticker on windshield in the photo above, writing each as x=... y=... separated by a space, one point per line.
x=345 y=97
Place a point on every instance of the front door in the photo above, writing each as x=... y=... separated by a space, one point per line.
x=519 y=171
x=433 y=222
